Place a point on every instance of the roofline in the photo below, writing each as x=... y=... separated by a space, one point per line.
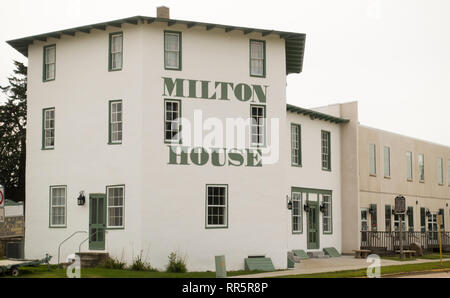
x=295 y=42
x=315 y=115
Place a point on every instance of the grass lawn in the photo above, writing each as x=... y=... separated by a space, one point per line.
x=384 y=270
x=434 y=256
x=43 y=272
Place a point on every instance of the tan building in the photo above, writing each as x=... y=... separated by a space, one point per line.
x=377 y=166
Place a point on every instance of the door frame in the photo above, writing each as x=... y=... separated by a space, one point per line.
x=315 y=206
x=102 y=246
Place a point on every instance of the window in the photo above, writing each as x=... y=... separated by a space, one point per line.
x=411 y=219
x=217 y=206
x=49 y=71
x=388 y=217
x=326 y=151
x=327 y=214
x=440 y=171
x=115 y=122
x=296 y=153
x=258 y=125
x=115 y=199
x=373 y=217
x=48 y=129
x=423 y=226
x=115 y=51
x=387 y=162
x=372 y=160
x=257 y=58
x=172 y=50
x=58 y=196
x=172 y=121
x=421 y=162
x=297 y=213
x=409 y=167
x=441 y=212
x=397 y=219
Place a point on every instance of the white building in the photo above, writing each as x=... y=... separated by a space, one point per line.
x=103 y=100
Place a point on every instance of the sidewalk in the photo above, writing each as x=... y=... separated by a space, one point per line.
x=342 y=263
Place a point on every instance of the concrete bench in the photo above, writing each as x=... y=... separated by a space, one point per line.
x=361 y=253
x=407 y=253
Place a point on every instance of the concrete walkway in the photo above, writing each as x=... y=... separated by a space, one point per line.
x=342 y=263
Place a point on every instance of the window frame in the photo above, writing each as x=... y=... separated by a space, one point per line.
x=44 y=64
x=440 y=176
x=179 y=140
x=299 y=141
x=388 y=166
x=263 y=42
x=180 y=51
x=44 y=146
x=388 y=218
x=226 y=206
x=409 y=166
x=328 y=168
x=110 y=53
x=264 y=126
x=410 y=209
x=300 y=215
x=330 y=216
x=421 y=166
x=109 y=227
x=110 y=123
x=373 y=159
x=50 y=223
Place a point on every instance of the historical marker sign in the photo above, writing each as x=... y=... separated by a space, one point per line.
x=2 y=196
x=400 y=204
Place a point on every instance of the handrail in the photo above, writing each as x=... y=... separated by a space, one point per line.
x=59 y=247
x=79 y=247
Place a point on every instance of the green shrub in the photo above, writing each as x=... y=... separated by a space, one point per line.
x=177 y=264
x=113 y=263
x=140 y=265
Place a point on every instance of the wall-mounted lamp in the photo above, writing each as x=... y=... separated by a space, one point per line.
x=288 y=203
x=417 y=202
x=446 y=205
x=322 y=208
x=81 y=199
x=306 y=207
x=393 y=212
x=372 y=210
x=408 y=212
x=428 y=213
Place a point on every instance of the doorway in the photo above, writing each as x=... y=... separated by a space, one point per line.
x=97 y=221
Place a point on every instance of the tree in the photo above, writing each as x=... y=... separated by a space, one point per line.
x=13 y=120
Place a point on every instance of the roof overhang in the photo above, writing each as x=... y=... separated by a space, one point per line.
x=316 y=115
x=295 y=42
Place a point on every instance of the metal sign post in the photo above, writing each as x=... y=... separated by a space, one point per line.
x=400 y=210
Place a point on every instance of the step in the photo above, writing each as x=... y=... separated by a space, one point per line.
x=300 y=253
x=91 y=260
x=317 y=254
x=259 y=264
x=332 y=252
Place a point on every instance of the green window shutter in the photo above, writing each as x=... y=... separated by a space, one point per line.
x=373 y=217
x=372 y=160
x=388 y=216
x=441 y=212
x=387 y=162
x=411 y=219
x=422 y=220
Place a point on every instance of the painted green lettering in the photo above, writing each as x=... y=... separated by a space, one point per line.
x=254 y=156
x=205 y=90
x=260 y=94
x=174 y=155
x=215 y=157
x=224 y=89
x=199 y=156
x=169 y=85
x=236 y=157
x=243 y=92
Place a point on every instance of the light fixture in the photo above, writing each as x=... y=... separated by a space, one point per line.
x=288 y=203
x=428 y=213
x=306 y=207
x=322 y=208
x=81 y=199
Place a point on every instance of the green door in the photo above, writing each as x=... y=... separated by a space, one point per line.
x=313 y=226
x=97 y=221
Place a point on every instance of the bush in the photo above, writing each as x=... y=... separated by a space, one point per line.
x=113 y=263
x=140 y=265
x=177 y=264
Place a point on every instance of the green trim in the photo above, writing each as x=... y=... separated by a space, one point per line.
x=180 y=141
x=107 y=227
x=329 y=150
x=315 y=206
x=50 y=207
x=410 y=218
x=292 y=213
x=331 y=215
x=254 y=145
x=299 y=145
x=180 y=50
x=207 y=227
x=312 y=190
x=44 y=70
x=387 y=218
x=315 y=115
x=109 y=122
x=54 y=129
x=264 y=57
x=110 y=53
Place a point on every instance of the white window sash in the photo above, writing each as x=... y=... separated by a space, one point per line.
x=115 y=207
x=172 y=50
x=173 y=108
x=61 y=214
x=223 y=207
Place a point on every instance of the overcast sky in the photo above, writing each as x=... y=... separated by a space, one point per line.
x=392 y=56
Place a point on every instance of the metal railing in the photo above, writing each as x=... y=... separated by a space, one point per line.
x=390 y=241
x=82 y=242
x=65 y=240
